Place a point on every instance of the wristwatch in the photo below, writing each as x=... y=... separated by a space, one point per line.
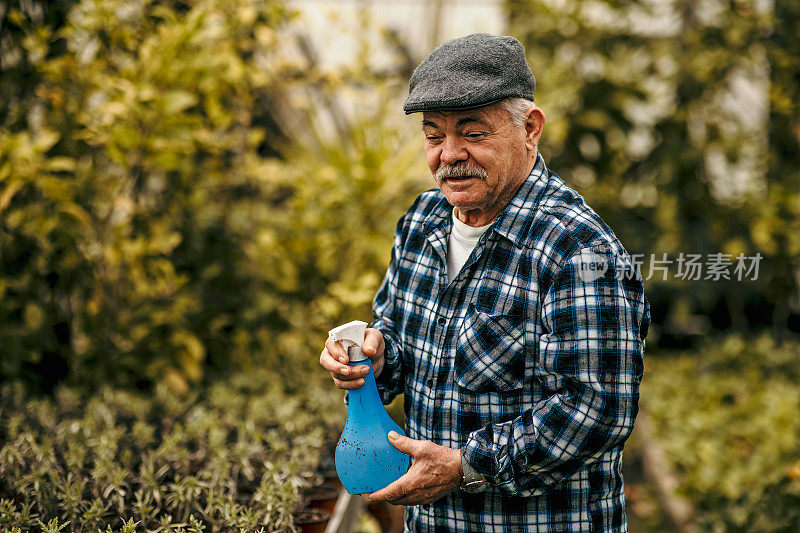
x=471 y=480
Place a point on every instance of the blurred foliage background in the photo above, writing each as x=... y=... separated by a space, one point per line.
x=681 y=130
x=158 y=221
x=187 y=193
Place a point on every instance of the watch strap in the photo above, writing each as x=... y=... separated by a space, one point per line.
x=470 y=478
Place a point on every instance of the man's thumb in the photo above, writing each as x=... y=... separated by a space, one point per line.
x=404 y=444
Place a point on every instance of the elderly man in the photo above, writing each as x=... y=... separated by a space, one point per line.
x=510 y=317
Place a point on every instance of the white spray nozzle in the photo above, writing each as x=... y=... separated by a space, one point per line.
x=350 y=335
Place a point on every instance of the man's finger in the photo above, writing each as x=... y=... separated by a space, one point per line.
x=344 y=377
x=340 y=370
x=392 y=491
x=328 y=362
x=348 y=384
x=373 y=342
x=404 y=444
x=336 y=351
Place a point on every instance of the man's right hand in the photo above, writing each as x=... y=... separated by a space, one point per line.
x=334 y=359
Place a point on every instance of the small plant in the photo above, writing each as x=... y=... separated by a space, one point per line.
x=121 y=461
x=52 y=526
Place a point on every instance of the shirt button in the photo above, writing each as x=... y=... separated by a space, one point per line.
x=441 y=321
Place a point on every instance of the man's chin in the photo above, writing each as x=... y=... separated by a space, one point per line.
x=458 y=184
x=461 y=199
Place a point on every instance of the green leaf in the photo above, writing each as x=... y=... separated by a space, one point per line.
x=34 y=316
x=177 y=101
x=60 y=164
x=45 y=139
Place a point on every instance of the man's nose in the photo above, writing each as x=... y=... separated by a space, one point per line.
x=453 y=151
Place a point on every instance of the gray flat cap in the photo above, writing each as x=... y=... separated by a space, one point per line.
x=468 y=72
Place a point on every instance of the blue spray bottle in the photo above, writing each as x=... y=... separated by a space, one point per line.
x=365 y=460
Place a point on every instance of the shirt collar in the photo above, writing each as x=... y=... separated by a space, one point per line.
x=515 y=220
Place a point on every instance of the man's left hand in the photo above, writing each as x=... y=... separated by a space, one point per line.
x=435 y=472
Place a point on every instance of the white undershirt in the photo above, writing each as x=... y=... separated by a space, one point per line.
x=462 y=241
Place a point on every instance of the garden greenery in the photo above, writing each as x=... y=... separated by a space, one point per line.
x=678 y=122
x=159 y=234
x=173 y=211
x=727 y=420
x=231 y=458
x=155 y=226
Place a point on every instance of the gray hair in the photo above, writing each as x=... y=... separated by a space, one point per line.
x=518 y=108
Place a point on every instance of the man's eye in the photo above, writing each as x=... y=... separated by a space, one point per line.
x=475 y=136
x=433 y=138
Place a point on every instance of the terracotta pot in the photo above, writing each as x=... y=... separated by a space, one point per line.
x=311 y=520
x=321 y=497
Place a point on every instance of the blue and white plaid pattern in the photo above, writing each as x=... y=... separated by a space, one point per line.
x=529 y=359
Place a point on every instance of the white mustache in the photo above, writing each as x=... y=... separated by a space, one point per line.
x=459 y=170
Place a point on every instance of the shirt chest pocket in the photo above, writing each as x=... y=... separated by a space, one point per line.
x=490 y=352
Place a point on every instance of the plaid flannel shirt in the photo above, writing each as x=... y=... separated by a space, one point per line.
x=530 y=359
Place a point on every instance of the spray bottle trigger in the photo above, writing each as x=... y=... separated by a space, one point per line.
x=351 y=337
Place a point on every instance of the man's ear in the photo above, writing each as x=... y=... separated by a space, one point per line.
x=534 y=125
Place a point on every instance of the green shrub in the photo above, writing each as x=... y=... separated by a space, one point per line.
x=124 y=203
x=230 y=458
x=149 y=229
x=727 y=418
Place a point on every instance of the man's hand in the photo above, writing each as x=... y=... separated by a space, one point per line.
x=435 y=472
x=334 y=359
